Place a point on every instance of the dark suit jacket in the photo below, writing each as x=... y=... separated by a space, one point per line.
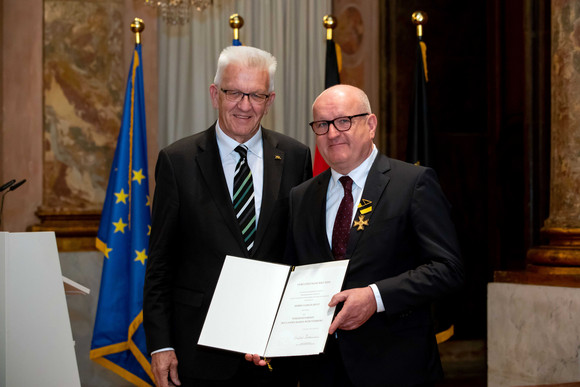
x=409 y=249
x=194 y=227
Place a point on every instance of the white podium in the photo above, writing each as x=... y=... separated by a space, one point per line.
x=36 y=344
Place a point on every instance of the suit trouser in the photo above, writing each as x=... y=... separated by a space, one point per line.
x=284 y=374
x=327 y=369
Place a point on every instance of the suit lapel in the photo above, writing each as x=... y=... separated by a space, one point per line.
x=319 y=208
x=375 y=185
x=273 y=167
x=210 y=164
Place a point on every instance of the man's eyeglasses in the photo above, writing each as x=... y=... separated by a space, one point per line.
x=342 y=124
x=236 y=96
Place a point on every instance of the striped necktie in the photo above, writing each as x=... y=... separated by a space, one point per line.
x=343 y=221
x=243 y=198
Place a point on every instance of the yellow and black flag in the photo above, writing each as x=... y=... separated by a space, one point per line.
x=419 y=152
x=331 y=73
x=418 y=139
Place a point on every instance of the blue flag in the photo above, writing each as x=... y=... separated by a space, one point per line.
x=118 y=337
x=236 y=42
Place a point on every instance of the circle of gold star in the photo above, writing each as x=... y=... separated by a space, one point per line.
x=360 y=223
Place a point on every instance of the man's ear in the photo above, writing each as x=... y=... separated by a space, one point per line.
x=214 y=94
x=372 y=123
x=270 y=101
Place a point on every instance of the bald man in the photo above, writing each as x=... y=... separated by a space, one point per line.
x=392 y=221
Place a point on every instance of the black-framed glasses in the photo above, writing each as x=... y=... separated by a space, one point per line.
x=342 y=124
x=236 y=96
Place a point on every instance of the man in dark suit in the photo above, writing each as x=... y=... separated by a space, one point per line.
x=400 y=241
x=209 y=204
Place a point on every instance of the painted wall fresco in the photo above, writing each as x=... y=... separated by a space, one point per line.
x=83 y=96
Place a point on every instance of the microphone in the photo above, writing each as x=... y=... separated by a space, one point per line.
x=13 y=187
x=6 y=185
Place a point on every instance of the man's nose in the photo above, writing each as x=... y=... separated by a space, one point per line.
x=245 y=103
x=332 y=131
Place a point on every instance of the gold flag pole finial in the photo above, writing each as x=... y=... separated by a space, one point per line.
x=419 y=18
x=329 y=22
x=137 y=27
x=236 y=22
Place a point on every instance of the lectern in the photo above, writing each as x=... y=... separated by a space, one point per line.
x=36 y=344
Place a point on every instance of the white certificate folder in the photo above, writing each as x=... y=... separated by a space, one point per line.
x=271 y=309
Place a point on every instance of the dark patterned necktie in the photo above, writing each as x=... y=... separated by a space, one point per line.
x=243 y=198
x=343 y=220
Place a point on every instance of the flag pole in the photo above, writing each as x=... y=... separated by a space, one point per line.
x=236 y=22
x=137 y=27
x=329 y=22
x=419 y=18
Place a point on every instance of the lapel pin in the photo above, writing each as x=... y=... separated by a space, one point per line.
x=365 y=206
x=277 y=157
x=360 y=223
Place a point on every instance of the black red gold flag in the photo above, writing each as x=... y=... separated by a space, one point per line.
x=331 y=78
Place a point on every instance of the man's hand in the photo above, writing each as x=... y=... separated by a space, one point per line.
x=256 y=359
x=164 y=367
x=359 y=306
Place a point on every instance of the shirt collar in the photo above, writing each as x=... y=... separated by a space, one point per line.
x=360 y=173
x=228 y=144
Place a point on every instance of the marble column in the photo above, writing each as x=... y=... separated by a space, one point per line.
x=562 y=228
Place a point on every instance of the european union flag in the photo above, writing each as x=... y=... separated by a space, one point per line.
x=236 y=42
x=118 y=337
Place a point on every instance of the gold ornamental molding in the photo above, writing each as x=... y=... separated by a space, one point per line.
x=560 y=256
x=555 y=264
x=75 y=230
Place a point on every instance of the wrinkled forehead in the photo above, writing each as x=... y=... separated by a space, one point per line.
x=330 y=106
x=256 y=78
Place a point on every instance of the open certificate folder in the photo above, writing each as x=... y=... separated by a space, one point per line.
x=270 y=309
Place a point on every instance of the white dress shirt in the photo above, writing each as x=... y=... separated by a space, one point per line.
x=230 y=158
x=334 y=196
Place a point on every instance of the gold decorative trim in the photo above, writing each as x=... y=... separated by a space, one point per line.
x=442 y=337
x=561 y=236
x=75 y=230
x=554 y=256
x=563 y=249
x=532 y=277
x=553 y=270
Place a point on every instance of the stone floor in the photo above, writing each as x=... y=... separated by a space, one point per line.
x=464 y=363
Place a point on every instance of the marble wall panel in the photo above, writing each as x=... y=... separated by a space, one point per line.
x=533 y=334
x=565 y=133
x=357 y=34
x=84 y=82
x=21 y=121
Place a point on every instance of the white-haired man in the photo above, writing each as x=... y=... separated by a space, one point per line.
x=220 y=192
